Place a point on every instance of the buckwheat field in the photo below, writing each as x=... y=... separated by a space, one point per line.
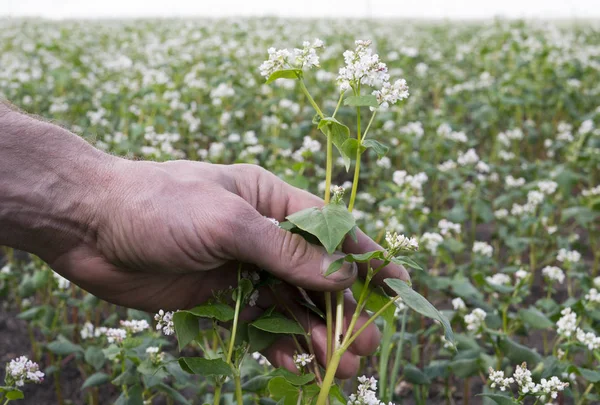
x=469 y=151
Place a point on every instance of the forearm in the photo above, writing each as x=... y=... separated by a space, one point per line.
x=51 y=183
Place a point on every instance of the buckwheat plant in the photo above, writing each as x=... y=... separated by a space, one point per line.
x=363 y=82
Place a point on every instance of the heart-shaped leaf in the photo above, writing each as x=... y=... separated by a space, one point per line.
x=329 y=224
x=284 y=74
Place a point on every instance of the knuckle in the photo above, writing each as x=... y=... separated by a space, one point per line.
x=294 y=250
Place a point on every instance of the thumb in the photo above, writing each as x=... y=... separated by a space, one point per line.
x=291 y=258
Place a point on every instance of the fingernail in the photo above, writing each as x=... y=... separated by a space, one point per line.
x=347 y=271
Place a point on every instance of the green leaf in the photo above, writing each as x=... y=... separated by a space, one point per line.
x=187 y=328
x=375 y=301
x=205 y=367
x=349 y=148
x=415 y=376
x=339 y=134
x=292 y=378
x=32 y=313
x=94 y=357
x=277 y=323
x=329 y=224
x=592 y=376
x=285 y=74
x=535 y=318
x=256 y=384
x=14 y=394
x=380 y=149
x=173 y=393
x=517 y=353
x=464 y=368
x=63 y=347
x=334 y=266
x=500 y=399
x=407 y=261
x=361 y=101
x=365 y=257
x=111 y=352
x=418 y=303
x=281 y=389
x=95 y=380
x=216 y=310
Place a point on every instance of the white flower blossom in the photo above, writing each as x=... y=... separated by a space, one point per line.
x=567 y=324
x=21 y=371
x=498 y=380
x=483 y=248
x=135 y=326
x=458 y=304
x=475 y=320
x=553 y=273
x=302 y=360
x=570 y=256
x=164 y=322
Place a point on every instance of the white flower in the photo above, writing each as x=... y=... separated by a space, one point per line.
x=302 y=360
x=447 y=227
x=591 y=192
x=447 y=166
x=390 y=94
x=21 y=371
x=511 y=182
x=553 y=273
x=521 y=274
x=362 y=67
x=551 y=386
x=63 y=283
x=366 y=393
x=468 y=158
x=571 y=256
x=483 y=248
x=115 y=335
x=5 y=269
x=499 y=279
x=567 y=324
x=588 y=339
x=522 y=377
x=87 y=331
x=431 y=240
x=135 y=326
x=475 y=320
x=501 y=213
x=164 y=321
x=497 y=380
x=300 y=58
x=156 y=357
x=458 y=304
x=547 y=186
x=397 y=242
x=593 y=295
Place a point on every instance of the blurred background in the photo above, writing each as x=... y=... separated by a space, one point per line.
x=556 y=9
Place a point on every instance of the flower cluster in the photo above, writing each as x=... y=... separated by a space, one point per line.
x=21 y=371
x=567 y=323
x=155 y=355
x=391 y=93
x=135 y=326
x=475 y=320
x=397 y=242
x=553 y=273
x=362 y=67
x=164 y=322
x=522 y=376
x=483 y=248
x=280 y=59
x=366 y=393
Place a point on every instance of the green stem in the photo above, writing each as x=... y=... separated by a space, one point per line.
x=368 y=322
x=337 y=107
x=217 y=397
x=310 y=99
x=398 y=357
x=384 y=360
x=329 y=168
x=369 y=124
x=238 y=305
x=357 y=163
x=587 y=391
x=329 y=319
x=329 y=377
x=238 y=389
